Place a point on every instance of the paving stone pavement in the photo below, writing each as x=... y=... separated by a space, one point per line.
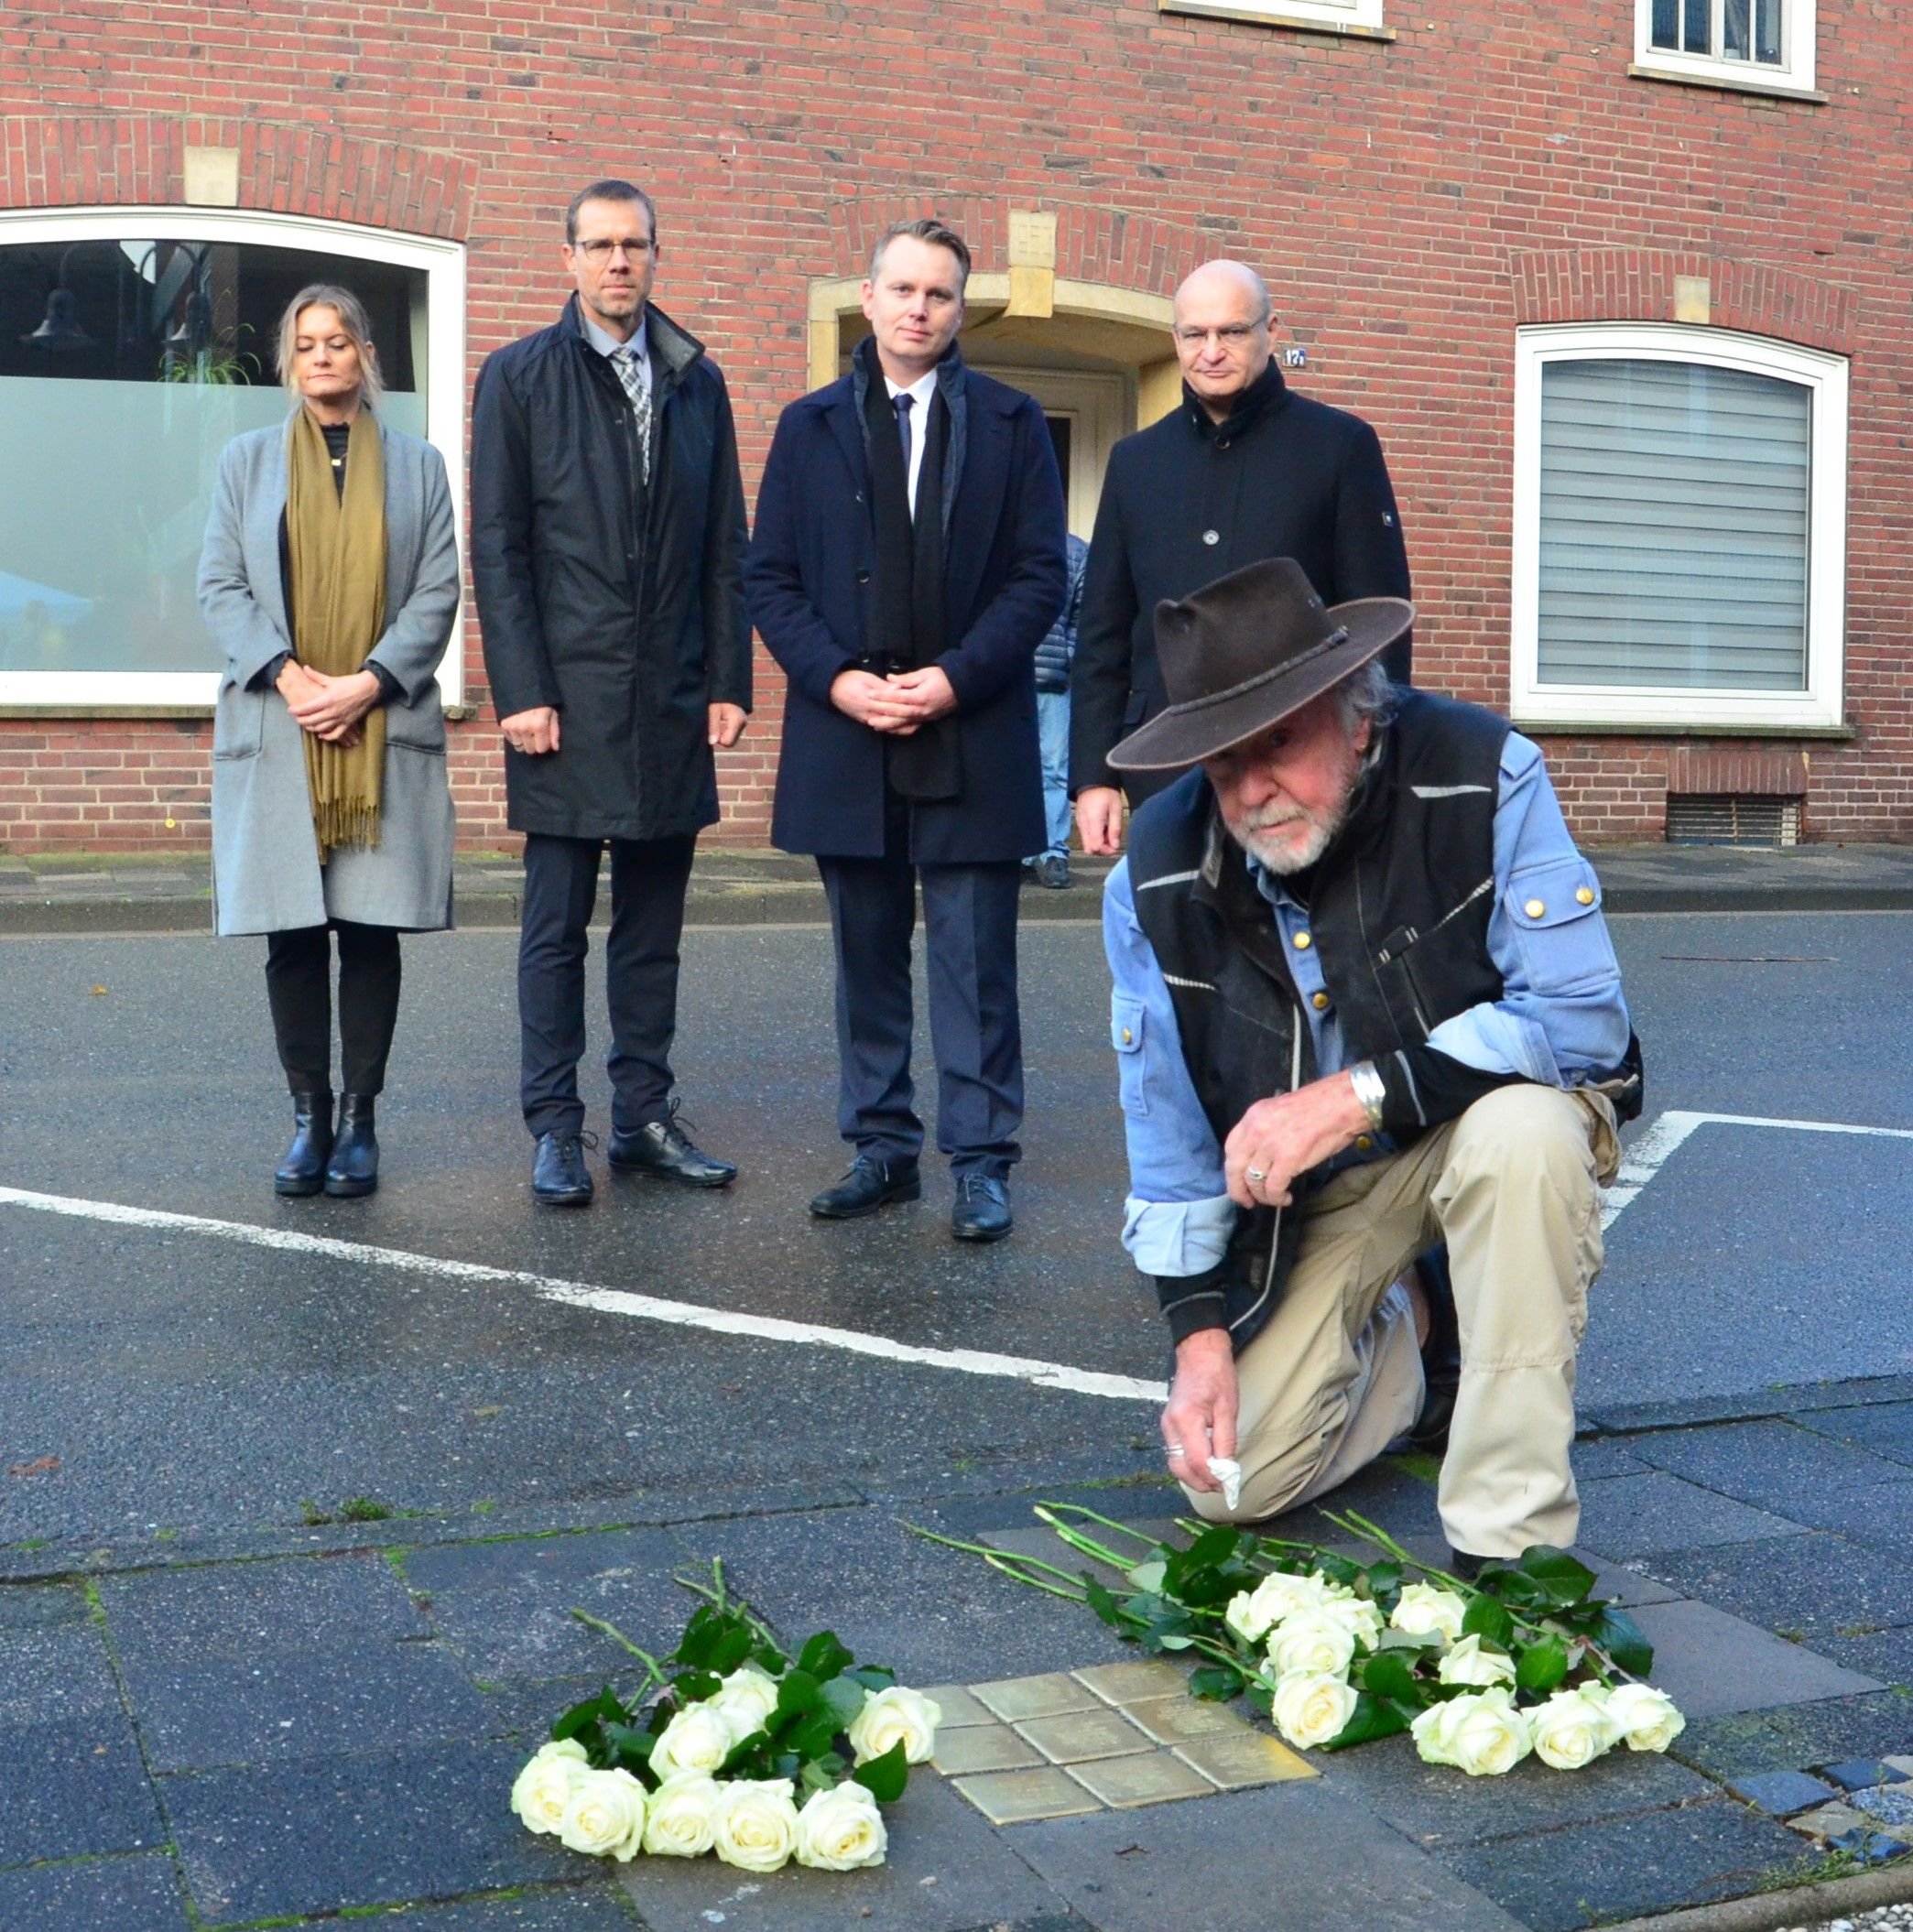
x=282 y=1736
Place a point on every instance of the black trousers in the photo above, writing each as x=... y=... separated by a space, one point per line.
x=648 y=878
x=970 y=931
x=299 y=975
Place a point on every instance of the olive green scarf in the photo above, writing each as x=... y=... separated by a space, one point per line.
x=337 y=597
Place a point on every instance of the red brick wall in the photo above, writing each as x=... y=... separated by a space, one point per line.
x=1412 y=203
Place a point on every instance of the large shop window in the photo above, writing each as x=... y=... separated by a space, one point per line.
x=1766 y=44
x=1679 y=528
x=134 y=345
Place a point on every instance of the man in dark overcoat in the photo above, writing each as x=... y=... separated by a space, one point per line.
x=1244 y=469
x=607 y=552
x=908 y=558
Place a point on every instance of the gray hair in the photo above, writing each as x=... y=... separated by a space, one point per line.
x=933 y=234
x=352 y=318
x=612 y=190
x=1365 y=696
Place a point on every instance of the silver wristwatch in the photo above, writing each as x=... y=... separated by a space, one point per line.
x=1369 y=1092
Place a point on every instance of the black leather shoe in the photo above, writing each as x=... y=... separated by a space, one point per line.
x=663 y=1148
x=353 y=1168
x=1053 y=870
x=983 y=1208
x=303 y=1169
x=870 y=1183
x=558 y=1177
x=1440 y=1356
x=1465 y=1567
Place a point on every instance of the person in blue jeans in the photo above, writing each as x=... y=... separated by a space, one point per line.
x=1054 y=655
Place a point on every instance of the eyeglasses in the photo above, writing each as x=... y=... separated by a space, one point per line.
x=1231 y=335
x=597 y=252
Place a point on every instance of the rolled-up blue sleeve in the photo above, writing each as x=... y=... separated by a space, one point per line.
x=1178 y=1218
x=1560 y=1020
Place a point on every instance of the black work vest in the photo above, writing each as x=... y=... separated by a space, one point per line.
x=1398 y=918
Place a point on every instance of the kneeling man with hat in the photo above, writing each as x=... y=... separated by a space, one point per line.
x=1365 y=1003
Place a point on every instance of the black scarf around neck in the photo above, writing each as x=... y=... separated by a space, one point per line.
x=908 y=603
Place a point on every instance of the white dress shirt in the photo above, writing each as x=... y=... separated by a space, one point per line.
x=921 y=392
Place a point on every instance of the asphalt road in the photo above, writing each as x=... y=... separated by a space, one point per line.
x=185 y=1381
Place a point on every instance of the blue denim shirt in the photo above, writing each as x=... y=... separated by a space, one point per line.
x=1561 y=1019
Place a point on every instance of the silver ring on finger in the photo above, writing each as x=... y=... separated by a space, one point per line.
x=1175 y=1449
x=1257 y=1173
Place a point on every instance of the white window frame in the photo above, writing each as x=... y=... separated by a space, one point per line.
x=194 y=692
x=1793 y=74
x=1820 y=705
x=1348 y=17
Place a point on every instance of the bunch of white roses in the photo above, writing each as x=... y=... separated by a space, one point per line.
x=1314 y=1631
x=689 y=1807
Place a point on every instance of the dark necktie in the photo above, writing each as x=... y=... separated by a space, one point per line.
x=624 y=360
x=904 y=405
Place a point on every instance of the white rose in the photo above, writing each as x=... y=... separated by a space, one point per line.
x=683 y=1816
x=893 y=1714
x=1571 y=1729
x=1485 y=1736
x=698 y=1739
x=757 y=1824
x=840 y=1829
x=1433 y=1731
x=1468 y=1663
x=605 y=1814
x=1253 y=1614
x=1310 y=1643
x=1425 y=1610
x=1311 y=1710
x=544 y=1787
x=746 y=1698
x=1646 y=1718
x=1245 y=1618
x=1356 y=1615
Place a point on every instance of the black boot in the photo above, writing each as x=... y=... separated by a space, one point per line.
x=354 y=1168
x=303 y=1169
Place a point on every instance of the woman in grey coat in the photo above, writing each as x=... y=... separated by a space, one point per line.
x=330 y=580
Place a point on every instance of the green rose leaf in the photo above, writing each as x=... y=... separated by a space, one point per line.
x=1373 y=1719
x=1561 y=1579
x=629 y=1747
x=603 y=1709
x=693 y=1686
x=821 y=1774
x=1620 y=1636
x=1387 y=1674
x=707 y=1629
x=1216 y=1683
x=1489 y=1620
x=823 y=1656
x=1100 y=1601
x=813 y=1735
x=797 y=1692
x=1262 y=1695
x=731 y=1648
x=1542 y=1666
x=1338 y=1570
x=873 y=1677
x=1149 y=1575
x=885 y=1777
x=1383 y=1580
x=844 y=1700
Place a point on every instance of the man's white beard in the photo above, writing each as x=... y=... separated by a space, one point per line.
x=1284 y=856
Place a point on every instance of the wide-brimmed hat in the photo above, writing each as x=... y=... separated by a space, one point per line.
x=1249 y=649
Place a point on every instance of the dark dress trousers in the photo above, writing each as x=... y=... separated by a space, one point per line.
x=1187 y=500
x=811 y=578
x=619 y=603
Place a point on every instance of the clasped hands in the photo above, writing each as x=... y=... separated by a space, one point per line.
x=1274 y=1141
x=898 y=705
x=332 y=709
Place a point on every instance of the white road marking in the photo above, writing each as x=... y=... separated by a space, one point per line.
x=1646 y=1158
x=606 y=1302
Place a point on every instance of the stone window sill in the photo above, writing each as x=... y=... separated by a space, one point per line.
x=1259 y=17
x=1726 y=83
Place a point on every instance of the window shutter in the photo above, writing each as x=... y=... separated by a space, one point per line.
x=1673 y=527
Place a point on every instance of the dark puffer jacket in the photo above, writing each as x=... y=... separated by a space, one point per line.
x=618 y=602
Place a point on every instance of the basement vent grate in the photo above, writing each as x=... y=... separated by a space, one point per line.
x=1722 y=818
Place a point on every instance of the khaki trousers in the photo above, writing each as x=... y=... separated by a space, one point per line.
x=1512 y=1187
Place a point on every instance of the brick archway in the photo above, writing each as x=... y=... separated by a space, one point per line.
x=133 y=160
x=1642 y=285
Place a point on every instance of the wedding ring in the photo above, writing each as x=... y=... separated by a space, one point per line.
x=1174 y=1449
x=1257 y=1173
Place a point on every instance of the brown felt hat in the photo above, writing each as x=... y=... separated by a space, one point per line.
x=1246 y=650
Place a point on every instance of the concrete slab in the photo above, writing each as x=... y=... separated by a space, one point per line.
x=1294 y=1854
x=332 y=1832
x=1770 y=1464
x=57 y=1673
x=600 y=1906
x=946 y=1871
x=1782 y=1794
x=1878 y=1724
x=1637 y=1515
x=1884 y=1430
x=1815 y=1585
x=95 y=1895
x=1617 y=1868
x=40 y=1606
x=74 y=1789
x=1711 y=1663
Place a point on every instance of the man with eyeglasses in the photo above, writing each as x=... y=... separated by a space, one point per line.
x=607 y=552
x=1244 y=469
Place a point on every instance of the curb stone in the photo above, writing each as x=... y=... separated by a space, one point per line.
x=1802 y=1905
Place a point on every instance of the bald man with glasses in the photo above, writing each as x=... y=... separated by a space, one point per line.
x=1243 y=469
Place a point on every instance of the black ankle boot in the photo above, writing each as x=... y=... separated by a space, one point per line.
x=303 y=1169
x=354 y=1168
